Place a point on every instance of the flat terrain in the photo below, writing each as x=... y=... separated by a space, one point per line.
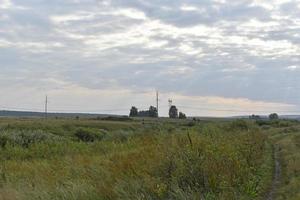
x=149 y=159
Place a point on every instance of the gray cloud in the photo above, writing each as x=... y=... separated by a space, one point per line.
x=232 y=49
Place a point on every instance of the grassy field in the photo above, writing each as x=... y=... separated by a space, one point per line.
x=151 y=159
x=287 y=140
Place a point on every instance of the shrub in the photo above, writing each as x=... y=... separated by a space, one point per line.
x=119 y=136
x=116 y=118
x=3 y=141
x=26 y=137
x=89 y=135
x=263 y=123
x=240 y=125
x=283 y=124
x=191 y=124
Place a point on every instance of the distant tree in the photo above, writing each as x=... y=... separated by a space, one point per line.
x=273 y=116
x=182 y=115
x=133 y=112
x=173 y=112
x=256 y=117
x=143 y=113
x=153 y=112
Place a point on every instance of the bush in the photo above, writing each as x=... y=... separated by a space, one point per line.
x=191 y=124
x=263 y=123
x=240 y=124
x=116 y=118
x=89 y=135
x=119 y=136
x=26 y=138
x=3 y=141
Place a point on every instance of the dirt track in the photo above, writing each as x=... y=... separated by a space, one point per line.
x=277 y=174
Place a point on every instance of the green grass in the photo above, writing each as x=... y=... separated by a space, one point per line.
x=288 y=140
x=154 y=159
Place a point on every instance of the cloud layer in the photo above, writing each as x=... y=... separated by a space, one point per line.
x=92 y=51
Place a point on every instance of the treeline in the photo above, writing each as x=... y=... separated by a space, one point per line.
x=152 y=112
x=273 y=116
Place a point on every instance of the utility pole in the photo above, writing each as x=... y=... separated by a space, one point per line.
x=170 y=103
x=157 y=99
x=46 y=107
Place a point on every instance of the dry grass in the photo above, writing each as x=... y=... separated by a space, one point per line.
x=289 y=144
x=156 y=161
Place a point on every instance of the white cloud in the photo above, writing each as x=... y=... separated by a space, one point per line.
x=241 y=68
x=177 y=71
x=220 y=106
x=218 y=49
x=4 y=43
x=72 y=17
x=5 y=4
x=293 y=68
x=188 y=8
x=119 y=100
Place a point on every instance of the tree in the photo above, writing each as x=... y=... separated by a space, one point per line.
x=256 y=117
x=273 y=116
x=133 y=112
x=173 y=112
x=143 y=113
x=153 y=112
x=182 y=115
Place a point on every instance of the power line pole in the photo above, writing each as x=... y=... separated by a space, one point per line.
x=157 y=99
x=46 y=107
x=170 y=103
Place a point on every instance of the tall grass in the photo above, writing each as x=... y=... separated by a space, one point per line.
x=288 y=141
x=155 y=160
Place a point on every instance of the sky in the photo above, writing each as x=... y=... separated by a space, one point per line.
x=211 y=57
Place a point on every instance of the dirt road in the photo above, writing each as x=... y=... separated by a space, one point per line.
x=277 y=174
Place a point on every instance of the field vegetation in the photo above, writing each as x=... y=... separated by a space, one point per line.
x=149 y=159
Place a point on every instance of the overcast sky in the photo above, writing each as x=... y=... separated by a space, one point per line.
x=212 y=57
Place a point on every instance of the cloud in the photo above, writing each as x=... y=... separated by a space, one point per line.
x=292 y=68
x=68 y=97
x=5 y=4
x=239 y=49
